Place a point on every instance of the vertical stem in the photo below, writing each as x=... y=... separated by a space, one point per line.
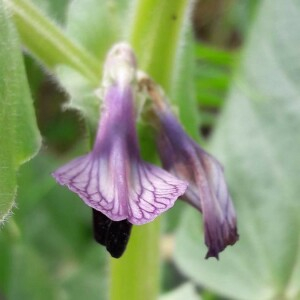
x=156 y=33
x=155 y=36
x=135 y=276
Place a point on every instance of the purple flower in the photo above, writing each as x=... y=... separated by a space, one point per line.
x=112 y=178
x=207 y=190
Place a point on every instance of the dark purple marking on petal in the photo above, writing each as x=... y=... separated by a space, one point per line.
x=114 y=235
x=118 y=237
x=101 y=224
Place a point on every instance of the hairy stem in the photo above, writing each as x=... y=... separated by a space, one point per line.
x=47 y=42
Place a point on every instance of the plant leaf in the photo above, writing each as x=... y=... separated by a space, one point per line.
x=19 y=137
x=185 y=291
x=56 y=9
x=259 y=144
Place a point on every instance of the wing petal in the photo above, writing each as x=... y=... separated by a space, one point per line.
x=153 y=191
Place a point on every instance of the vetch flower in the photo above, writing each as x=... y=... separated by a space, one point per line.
x=207 y=190
x=112 y=178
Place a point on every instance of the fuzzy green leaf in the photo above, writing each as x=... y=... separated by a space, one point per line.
x=19 y=137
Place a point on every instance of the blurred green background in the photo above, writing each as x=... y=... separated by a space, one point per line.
x=246 y=78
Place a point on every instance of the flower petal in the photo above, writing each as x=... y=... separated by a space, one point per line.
x=114 y=235
x=207 y=189
x=89 y=177
x=218 y=211
x=138 y=192
x=153 y=191
x=118 y=237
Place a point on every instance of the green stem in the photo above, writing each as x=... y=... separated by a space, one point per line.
x=46 y=41
x=157 y=29
x=135 y=276
x=155 y=35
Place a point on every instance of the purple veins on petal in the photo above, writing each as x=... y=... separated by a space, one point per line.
x=207 y=189
x=139 y=195
x=112 y=178
x=153 y=192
